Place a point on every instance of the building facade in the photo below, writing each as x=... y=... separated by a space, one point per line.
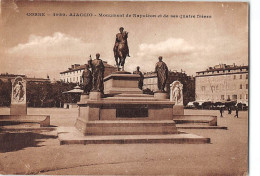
x=222 y=83
x=5 y=77
x=74 y=73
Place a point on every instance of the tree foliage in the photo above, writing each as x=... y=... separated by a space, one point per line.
x=5 y=93
x=44 y=94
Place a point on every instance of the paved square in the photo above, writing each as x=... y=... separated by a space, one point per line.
x=40 y=152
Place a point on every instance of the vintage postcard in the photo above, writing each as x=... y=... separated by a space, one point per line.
x=124 y=88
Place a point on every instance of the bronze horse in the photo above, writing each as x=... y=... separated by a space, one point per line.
x=121 y=50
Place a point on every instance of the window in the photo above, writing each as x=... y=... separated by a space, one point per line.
x=222 y=97
x=240 y=97
x=246 y=96
x=246 y=86
x=234 y=76
x=228 y=97
x=241 y=86
x=241 y=76
x=203 y=88
x=246 y=76
x=234 y=97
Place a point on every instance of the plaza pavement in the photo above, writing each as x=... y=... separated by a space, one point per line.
x=40 y=152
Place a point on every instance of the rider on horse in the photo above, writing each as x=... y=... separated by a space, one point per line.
x=121 y=49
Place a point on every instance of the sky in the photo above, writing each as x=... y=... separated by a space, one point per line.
x=41 y=45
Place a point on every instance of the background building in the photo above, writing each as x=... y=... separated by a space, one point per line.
x=150 y=82
x=5 y=77
x=222 y=83
x=74 y=73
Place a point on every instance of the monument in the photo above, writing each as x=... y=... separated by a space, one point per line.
x=18 y=97
x=98 y=69
x=117 y=111
x=161 y=70
x=121 y=50
x=141 y=78
x=18 y=108
x=176 y=96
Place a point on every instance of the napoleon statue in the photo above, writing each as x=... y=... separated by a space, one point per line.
x=121 y=50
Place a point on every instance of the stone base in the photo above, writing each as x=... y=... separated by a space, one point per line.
x=18 y=109
x=95 y=95
x=160 y=95
x=126 y=127
x=125 y=109
x=122 y=72
x=84 y=97
x=178 y=110
x=121 y=82
x=196 y=119
x=69 y=135
x=43 y=120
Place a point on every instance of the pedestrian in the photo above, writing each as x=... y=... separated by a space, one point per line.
x=229 y=110
x=236 y=113
x=221 y=111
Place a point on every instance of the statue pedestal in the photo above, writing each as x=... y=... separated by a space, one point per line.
x=178 y=110
x=95 y=95
x=84 y=97
x=121 y=84
x=141 y=115
x=160 y=95
x=18 y=109
x=125 y=116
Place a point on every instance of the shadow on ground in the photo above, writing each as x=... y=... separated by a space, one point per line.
x=17 y=141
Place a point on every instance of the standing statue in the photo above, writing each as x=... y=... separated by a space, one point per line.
x=176 y=93
x=121 y=50
x=18 y=91
x=141 y=79
x=161 y=70
x=98 y=69
x=87 y=80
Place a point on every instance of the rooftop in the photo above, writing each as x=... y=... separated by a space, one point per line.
x=76 y=67
x=222 y=67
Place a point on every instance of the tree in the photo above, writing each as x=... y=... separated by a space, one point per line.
x=5 y=93
x=196 y=104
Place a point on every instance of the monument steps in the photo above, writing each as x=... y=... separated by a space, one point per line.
x=127 y=127
x=42 y=120
x=134 y=95
x=70 y=135
x=201 y=122
x=196 y=119
x=133 y=98
x=198 y=126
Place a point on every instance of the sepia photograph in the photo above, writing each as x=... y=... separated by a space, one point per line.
x=124 y=87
